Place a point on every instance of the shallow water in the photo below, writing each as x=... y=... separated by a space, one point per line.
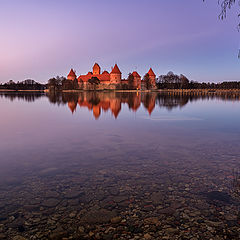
x=119 y=166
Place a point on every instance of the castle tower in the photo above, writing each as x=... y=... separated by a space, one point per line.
x=152 y=77
x=115 y=75
x=96 y=69
x=71 y=75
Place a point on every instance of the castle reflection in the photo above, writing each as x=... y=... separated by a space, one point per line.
x=112 y=101
x=99 y=102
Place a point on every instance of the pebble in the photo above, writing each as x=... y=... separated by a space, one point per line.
x=18 y=237
x=147 y=236
x=51 y=202
x=81 y=229
x=116 y=220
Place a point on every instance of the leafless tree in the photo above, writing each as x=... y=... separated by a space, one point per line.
x=225 y=6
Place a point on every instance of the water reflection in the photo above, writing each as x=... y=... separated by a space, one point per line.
x=26 y=96
x=99 y=102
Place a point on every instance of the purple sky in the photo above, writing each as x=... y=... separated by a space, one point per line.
x=41 y=38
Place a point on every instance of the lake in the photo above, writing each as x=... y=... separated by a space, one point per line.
x=112 y=165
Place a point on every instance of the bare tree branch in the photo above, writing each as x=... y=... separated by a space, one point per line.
x=225 y=6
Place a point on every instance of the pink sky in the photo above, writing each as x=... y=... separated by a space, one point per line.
x=41 y=39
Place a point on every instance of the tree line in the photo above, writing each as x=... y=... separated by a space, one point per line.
x=173 y=81
x=169 y=81
x=28 y=84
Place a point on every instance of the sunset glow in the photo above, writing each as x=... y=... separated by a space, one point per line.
x=40 y=39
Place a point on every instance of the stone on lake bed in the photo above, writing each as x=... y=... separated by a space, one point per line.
x=119 y=199
x=73 y=202
x=151 y=220
x=176 y=205
x=81 y=229
x=230 y=217
x=167 y=211
x=98 y=216
x=148 y=208
x=116 y=220
x=219 y=196
x=18 y=237
x=51 y=194
x=51 y=202
x=214 y=224
x=156 y=197
x=113 y=191
x=72 y=193
x=2 y=236
x=147 y=236
x=58 y=235
x=72 y=214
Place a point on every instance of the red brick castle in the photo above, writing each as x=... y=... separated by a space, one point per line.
x=112 y=80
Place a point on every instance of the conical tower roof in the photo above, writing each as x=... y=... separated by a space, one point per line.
x=72 y=73
x=116 y=70
x=151 y=73
x=96 y=65
x=135 y=74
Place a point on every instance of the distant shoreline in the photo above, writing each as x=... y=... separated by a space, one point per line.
x=155 y=90
x=159 y=90
x=13 y=90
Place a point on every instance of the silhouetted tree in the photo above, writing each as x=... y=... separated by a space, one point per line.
x=147 y=81
x=94 y=80
x=183 y=81
x=70 y=84
x=55 y=83
x=27 y=84
x=67 y=84
x=75 y=84
x=172 y=81
x=130 y=80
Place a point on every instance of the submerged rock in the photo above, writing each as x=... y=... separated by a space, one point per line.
x=219 y=196
x=98 y=216
x=18 y=237
x=73 y=193
x=51 y=202
x=157 y=198
x=116 y=220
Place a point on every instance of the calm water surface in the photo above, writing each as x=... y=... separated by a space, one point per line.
x=119 y=166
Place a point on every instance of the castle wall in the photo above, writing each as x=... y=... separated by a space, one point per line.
x=101 y=86
x=137 y=82
x=115 y=78
x=152 y=79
